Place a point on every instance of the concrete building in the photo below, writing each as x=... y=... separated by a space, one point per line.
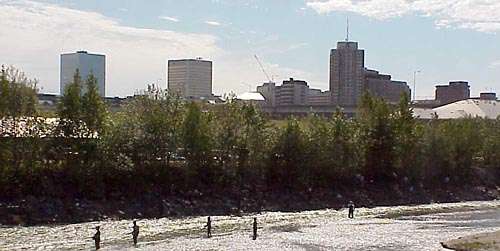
x=87 y=64
x=488 y=96
x=268 y=91
x=382 y=86
x=292 y=92
x=190 y=78
x=455 y=91
x=317 y=97
x=347 y=70
x=488 y=109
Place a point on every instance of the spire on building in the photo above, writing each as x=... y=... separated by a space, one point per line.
x=347 y=32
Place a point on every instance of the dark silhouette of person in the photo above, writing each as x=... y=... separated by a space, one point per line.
x=254 y=228
x=97 y=238
x=135 y=232
x=209 y=227
x=351 y=209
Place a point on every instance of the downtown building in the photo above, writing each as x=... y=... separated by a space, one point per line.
x=347 y=74
x=454 y=91
x=190 y=78
x=381 y=85
x=292 y=93
x=450 y=93
x=350 y=79
x=86 y=64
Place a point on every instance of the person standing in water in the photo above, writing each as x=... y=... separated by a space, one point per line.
x=209 y=227
x=135 y=232
x=351 y=209
x=254 y=228
x=97 y=238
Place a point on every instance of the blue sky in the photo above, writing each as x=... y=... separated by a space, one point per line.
x=445 y=39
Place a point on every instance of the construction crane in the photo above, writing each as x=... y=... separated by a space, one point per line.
x=263 y=69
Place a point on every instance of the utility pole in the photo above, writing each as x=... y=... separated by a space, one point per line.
x=415 y=85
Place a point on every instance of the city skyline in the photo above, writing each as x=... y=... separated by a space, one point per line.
x=294 y=40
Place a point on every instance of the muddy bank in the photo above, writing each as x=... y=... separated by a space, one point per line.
x=483 y=242
x=39 y=211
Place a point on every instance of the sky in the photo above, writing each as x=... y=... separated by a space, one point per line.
x=446 y=40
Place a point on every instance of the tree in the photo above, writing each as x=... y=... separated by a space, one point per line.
x=94 y=113
x=197 y=142
x=4 y=93
x=288 y=157
x=407 y=135
x=378 y=139
x=17 y=93
x=69 y=109
x=19 y=144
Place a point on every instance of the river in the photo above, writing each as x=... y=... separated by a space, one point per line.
x=382 y=228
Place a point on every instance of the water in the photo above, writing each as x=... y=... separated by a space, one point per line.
x=384 y=228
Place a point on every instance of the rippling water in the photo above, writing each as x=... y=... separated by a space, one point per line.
x=383 y=228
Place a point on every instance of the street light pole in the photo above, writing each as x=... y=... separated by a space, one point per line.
x=415 y=85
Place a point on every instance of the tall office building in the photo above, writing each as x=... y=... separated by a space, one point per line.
x=190 y=78
x=87 y=64
x=347 y=74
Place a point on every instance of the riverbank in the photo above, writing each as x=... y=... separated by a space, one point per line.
x=479 y=242
x=306 y=230
x=40 y=211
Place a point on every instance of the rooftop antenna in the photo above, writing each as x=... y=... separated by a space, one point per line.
x=347 y=33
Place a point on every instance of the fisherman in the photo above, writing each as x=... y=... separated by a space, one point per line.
x=209 y=227
x=135 y=232
x=254 y=228
x=351 y=209
x=97 y=238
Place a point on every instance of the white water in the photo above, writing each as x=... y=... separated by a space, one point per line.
x=407 y=228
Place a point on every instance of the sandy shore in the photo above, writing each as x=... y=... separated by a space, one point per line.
x=480 y=242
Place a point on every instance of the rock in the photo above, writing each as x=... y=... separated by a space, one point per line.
x=480 y=242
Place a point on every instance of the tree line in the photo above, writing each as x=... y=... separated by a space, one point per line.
x=159 y=143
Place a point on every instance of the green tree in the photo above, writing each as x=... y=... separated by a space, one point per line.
x=94 y=112
x=69 y=109
x=197 y=143
x=407 y=140
x=288 y=158
x=4 y=93
x=378 y=139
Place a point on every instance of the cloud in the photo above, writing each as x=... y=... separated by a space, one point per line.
x=213 y=23
x=37 y=33
x=495 y=64
x=480 y=15
x=251 y=74
x=34 y=34
x=171 y=19
x=298 y=46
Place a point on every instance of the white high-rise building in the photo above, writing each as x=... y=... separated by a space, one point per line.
x=87 y=64
x=190 y=78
